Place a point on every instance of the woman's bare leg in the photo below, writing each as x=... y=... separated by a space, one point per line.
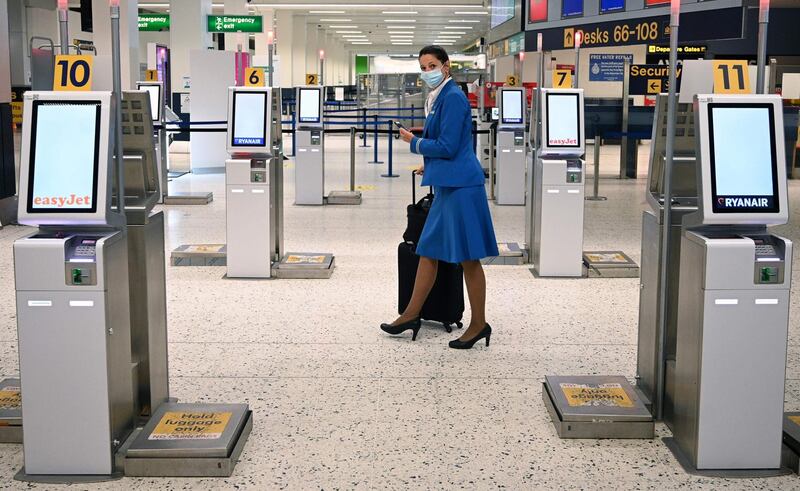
x=476 y=290
x=426 y=277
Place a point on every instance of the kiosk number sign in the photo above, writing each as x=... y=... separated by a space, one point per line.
x=151 y=76
x=312 y=79
x=562 y=79
x=73 y=72
x=512 y=81
x=253 y=77
x=731 y=77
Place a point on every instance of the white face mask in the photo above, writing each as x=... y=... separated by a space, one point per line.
x=433 y=77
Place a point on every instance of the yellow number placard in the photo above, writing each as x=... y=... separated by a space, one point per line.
x=731 y=77
x=254 y=77
x=312 y=79
x=151 y=75
x=562 y=79
x=512 y=81
x=73 y=72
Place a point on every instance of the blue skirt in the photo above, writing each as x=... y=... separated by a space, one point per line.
x=459 y=226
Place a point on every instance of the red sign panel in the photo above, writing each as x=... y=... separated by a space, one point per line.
x=651 y=3
x=538 y=11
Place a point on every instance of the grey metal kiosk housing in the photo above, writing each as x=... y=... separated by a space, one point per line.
x=511 y=147
x=251 y=178
x=72 y=291
x=310 y=147
x=557 y=248
x=733 y=301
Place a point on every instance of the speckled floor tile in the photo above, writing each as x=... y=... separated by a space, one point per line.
x=338 y=404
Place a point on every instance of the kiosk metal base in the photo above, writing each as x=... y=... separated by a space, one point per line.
x=683 y=460
x=202 y=198
x=8 y=211
x=596 y=407
x=790 y=455
x=199 y=255
x=609 y=264
x=510 y=254
x=188 y=440
x=10 y=411
x=343 y=198
x=22 y=476
x=305 y=265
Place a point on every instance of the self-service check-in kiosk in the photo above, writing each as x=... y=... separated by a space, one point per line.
x=310 y=148
x=511 y=147
x=733 y=300
x=73 y=316
x=252 y=174
x=558 y=185
x=160 y=114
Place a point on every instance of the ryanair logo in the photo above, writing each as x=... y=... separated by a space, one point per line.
x=248 y=141
x=743 y=202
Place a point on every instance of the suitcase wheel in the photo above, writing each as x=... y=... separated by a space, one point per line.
x=448 y=327
x=459 y=324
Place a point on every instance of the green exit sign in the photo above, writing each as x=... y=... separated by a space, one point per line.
x=235 y=23
x=153 y=22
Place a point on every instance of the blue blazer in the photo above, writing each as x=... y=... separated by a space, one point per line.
x=446 y=142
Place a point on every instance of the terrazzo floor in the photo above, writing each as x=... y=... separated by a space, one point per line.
x=340 y=405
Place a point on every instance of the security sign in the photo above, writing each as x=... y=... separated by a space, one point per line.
x=651 y=79
x=180 y=425
x=73 y=72
x=254 y=77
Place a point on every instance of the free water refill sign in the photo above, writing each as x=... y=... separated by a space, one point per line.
x=608 y=67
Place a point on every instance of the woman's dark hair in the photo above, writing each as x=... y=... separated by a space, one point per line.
x=436 y=51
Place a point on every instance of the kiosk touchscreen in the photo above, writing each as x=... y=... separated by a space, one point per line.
x=557 y=248
x=511 y=146
x=71 y=279
x=251 y=117
x=310 y=154
x=155 y=93
x=733 y=298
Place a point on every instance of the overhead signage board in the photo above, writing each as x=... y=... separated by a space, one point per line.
x=611 y=6
x=154 y=22
x=651 y=79
x=650 y=30
x=608 y=67
x=571 y=8
x=653 y=3
x=683 y=51
x=235 y=23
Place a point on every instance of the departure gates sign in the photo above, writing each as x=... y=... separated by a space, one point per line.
x=235 y=23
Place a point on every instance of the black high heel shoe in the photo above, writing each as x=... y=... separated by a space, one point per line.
x=414 y=325
x=486 y=332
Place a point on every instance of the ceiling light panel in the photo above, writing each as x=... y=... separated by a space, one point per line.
x=459 y=27
x=400 y=20
x=463 y=21
x=400 y=12
x=326 y=11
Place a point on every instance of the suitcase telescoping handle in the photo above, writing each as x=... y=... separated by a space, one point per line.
x=414 y=175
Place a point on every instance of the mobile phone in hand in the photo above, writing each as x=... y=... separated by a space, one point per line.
x=400 y=126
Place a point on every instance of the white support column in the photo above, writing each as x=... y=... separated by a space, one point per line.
x=284 y=37
x=188 y=31
x=298 y=47
x=129 y=39
x=261 y=38
x=236 y=7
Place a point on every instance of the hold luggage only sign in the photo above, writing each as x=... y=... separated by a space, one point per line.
x=10 y=398
x=651 y=79
x=611 y=395
x=180 y=425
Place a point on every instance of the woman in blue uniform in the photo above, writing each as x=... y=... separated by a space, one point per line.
x=459 y=227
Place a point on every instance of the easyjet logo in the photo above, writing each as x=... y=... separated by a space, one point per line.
x=62 y=201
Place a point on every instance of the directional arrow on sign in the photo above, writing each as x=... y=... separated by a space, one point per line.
x=654 y=85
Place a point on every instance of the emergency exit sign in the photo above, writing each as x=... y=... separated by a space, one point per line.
x=153 y=22
x=235 y=23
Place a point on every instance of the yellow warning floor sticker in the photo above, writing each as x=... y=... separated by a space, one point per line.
x=205 y=248
x=292 y=259
x=793 y=419
x=10 y=398
x=365 y=187
x=612 y=395
x=606 y=258
x=179 y=425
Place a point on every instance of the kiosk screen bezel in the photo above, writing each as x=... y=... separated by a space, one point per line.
x=521 y=99
x=577 y=97
x=32 y=157
x=264 y=135
x=154 y=115
x=317 y=98
x=715 y=208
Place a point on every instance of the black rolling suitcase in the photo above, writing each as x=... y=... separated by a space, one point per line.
x=445 y=303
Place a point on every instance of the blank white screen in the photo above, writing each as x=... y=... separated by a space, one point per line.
x=512 y=106
x=64 y=156
x=309 y=105
x=562 y=120
x=742 y=151
x=248 y=121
